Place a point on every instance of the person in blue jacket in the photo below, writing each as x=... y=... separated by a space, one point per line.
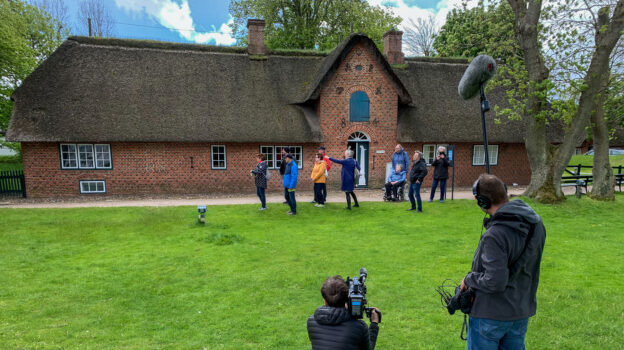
x=395 y=180
x=347 y=176
x=290 y=183
x=400 y=157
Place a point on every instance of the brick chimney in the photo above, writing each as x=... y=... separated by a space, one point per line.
x=393 y=46
x=255 y=30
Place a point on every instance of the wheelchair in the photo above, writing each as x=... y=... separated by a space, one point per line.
x=401 y=195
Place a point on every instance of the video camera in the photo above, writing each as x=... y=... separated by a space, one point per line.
x=357 y=297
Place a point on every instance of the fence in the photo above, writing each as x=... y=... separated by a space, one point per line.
x=12 y=184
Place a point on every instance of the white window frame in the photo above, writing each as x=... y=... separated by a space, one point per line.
x=212 y=159
x=92 y=182
x=110 y=156
x=269 y=153
x=435 y=149
x=480 y=150
x=75 y=159
x=277 y=152
x=92 y=156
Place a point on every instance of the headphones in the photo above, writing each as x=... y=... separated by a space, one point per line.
x=482 y=201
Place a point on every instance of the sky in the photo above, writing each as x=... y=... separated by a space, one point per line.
x=206 y=21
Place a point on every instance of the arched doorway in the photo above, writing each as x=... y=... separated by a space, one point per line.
x=359 y=142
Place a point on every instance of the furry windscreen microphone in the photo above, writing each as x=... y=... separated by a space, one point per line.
x=480 y=70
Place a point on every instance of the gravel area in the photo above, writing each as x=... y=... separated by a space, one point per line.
x=367 y=195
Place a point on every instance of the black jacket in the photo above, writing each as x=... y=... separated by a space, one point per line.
x=504 y=273
x=333 y=328
x=418 y=172
x=283 y=166
x=441 y=168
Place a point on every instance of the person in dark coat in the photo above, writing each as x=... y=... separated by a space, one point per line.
x=332 y=327
x=417 y=176
x=260 y=174
x=347 y=176
x=505 y=269
x=440 y=174
x=282 y=169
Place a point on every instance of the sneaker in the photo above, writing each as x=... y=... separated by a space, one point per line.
x=356 y=206
x=441 y=200
x=291 y=213
x=418 y=211
x=430 y=200
x=316 y=205
x=284 y=202
x=262 y=208
x=410 y=209
x=313 y=202
x=320 y=205
x=348 y=208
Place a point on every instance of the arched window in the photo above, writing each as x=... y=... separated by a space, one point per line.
x=359 y=107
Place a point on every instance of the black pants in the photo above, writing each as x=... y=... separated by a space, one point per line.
x=291 y=200
x=324 y=190
x=261 y=195
x=286 y=194
x=394 y=188
x=318 y=193
x=349 y=199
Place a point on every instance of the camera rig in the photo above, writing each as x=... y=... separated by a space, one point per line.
x=357 y=297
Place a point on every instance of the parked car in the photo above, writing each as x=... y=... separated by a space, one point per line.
x=612 y=152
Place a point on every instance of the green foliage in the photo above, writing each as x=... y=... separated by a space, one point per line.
x=152 y=278
x=311 y=24
x=485 y=29
x=28 y=36
x=11 y=163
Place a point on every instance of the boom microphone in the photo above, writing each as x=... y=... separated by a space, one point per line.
x=480 y=70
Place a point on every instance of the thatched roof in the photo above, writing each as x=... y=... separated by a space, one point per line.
x=130 y=90
x=439 y=114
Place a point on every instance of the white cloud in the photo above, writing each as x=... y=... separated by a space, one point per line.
x=177 y=17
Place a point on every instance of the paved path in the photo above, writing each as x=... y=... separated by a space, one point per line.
x=369 y=195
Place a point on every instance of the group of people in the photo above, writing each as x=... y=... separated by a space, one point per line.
x=289 y=171
x=503 y=279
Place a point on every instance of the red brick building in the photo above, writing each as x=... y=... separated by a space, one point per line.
x=126 y=116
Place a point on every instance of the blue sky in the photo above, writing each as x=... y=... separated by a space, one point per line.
x=205 y=21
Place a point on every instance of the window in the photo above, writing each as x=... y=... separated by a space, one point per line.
x=359 y=107
x=69 y=157
x=478 y=154
x=274 y=155
x=85 y=156
x=578 y=151
x=218 y=157
x=93 y=186
x=429 y=152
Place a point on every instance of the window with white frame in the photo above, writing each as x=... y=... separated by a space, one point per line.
x=430 y=150
x=578 y=151
x=92 y=186
x=478 y=154
x=218 y=156
x=85 y=156
x=274 y=153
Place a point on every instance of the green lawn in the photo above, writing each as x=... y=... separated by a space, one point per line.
x=589 y=161
x=151 y=278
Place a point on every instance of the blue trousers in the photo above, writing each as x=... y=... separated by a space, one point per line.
x=318 y=193
x=290 y=198
x=261 y=195
x=486 y=334
x=414 y=189
x=442 y=188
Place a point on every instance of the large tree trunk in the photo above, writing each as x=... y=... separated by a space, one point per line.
x=604 y=181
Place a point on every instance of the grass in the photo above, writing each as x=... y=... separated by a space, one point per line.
x=152 y=278
x=10 y=163
x=589 y=161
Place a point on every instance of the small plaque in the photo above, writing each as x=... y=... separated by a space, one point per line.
x=381 y=151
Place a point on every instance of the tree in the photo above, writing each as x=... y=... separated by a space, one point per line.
x=101 y=19
x=420 y=35
x=311 y=24
x=27 y=37
x=58 y=11
x=480 y=30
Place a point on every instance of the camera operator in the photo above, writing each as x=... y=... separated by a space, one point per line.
x=332 y=327
x=505 y=269
x=440 y=174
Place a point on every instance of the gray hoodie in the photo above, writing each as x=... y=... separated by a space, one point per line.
x=505 y=273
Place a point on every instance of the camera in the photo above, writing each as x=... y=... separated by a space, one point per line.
x=357 y=297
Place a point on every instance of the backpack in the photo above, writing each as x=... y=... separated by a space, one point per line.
x=267 y=174
x=356 y=172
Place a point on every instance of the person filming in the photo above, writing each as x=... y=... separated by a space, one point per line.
x=332 y=327
x=505 y=269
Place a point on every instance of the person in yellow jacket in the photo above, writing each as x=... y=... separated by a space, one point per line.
x=319 y=178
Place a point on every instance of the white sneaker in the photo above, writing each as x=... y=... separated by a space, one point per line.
x=262 y=208
x=320 y=205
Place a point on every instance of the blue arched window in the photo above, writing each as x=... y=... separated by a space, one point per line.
x=359 y=107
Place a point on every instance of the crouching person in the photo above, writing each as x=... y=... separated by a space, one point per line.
x=332 y=327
